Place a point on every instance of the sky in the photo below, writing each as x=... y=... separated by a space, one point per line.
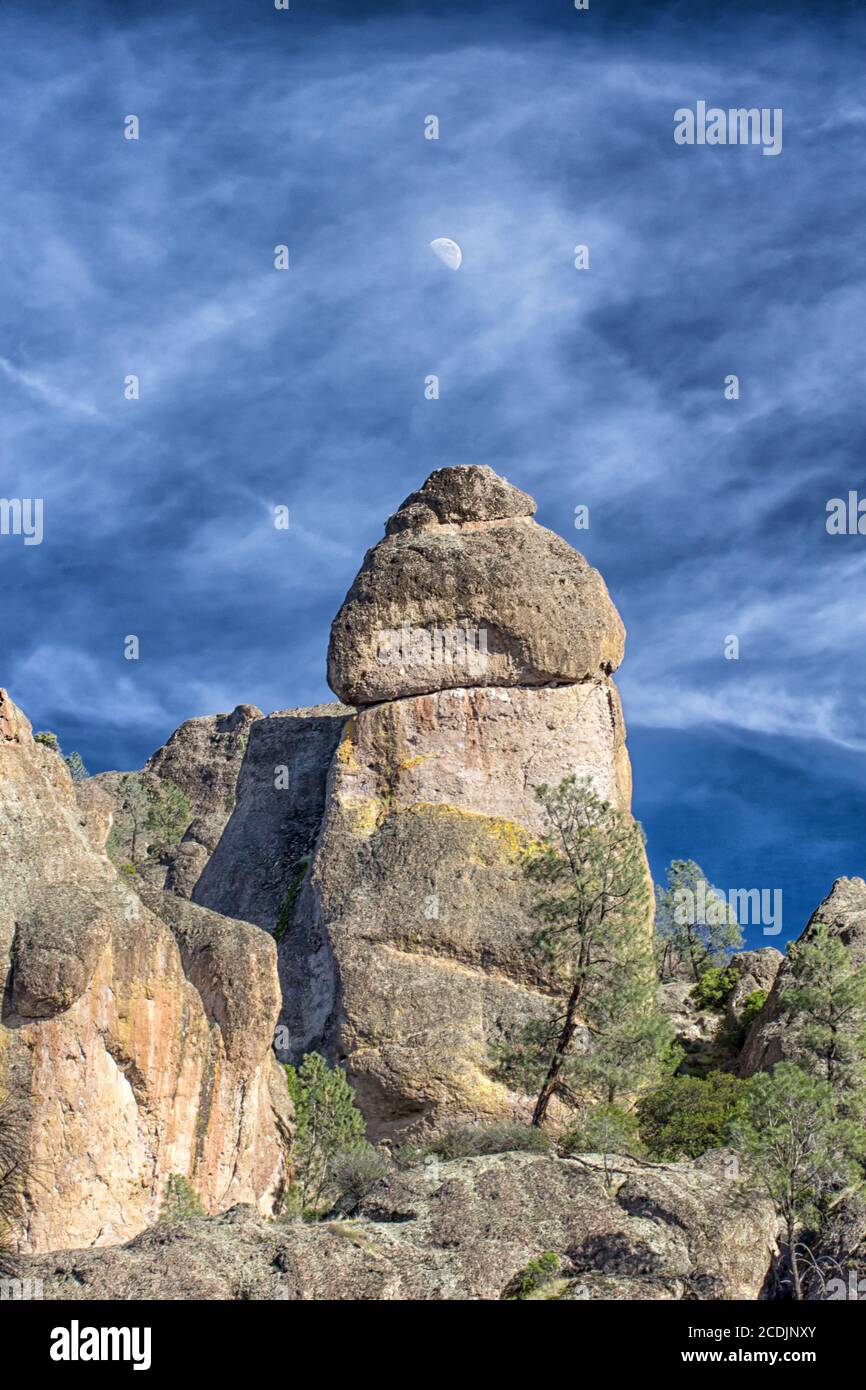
x=602 y=387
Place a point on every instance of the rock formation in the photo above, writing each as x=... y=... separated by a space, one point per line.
x=712 y=1038
x=463 y=555
x=203 y=759
x=408 y=953
x=462 y=1230
x=135 y=1034
x=280 y=798
x=844 y=912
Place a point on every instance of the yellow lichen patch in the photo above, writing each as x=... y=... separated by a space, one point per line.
x=415 y=762
x=513 y=838
x=365 y=814
x=349 y=1231
x=346 y=746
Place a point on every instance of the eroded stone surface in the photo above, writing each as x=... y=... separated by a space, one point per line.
x=410 y=955
x=267 y=842
x=137 y=1057
x=468 y=493
x=462 y=1230
x=538 y=609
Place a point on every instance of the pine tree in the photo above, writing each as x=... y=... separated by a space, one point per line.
x=695 y=926
x=800 y=1151
x=135 y=803
x=328 y=1126
x=592 y=900
x=77 y=771
x=168 y=814
x=823 y=999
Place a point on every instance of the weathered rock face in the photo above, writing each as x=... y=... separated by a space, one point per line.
x=461 y=1230
x=699 y=1031
x=137 y=1035
x=454 y=597
x=408 y=958
x=844 y=912
x=755 y=970
x=203 y=758
x=460 y=495
x=711 y=1039
x=839 y=1269
x=268 y=840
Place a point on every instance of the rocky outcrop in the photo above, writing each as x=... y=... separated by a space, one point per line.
x=467 y=590
x=136 y=1035
x=203 y=759
x=711 y=1039
x=408 y=957
x=280 y=799
x=462 y=1230
x=699 y=1031
x=755 y=972
x=844 y=912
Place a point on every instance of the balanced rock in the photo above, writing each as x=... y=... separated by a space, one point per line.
x=409 y=954
x=467 y=589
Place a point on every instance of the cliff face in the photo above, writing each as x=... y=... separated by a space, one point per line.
x=136 y=1029
x=280 y=796
x=486 y=644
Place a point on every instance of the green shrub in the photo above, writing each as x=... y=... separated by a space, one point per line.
x=168 y=815
x=49 y=739
x=356 y=1171
x=688 y=1115
x=752 y=1006
x=604 y=1129
x=470 y=1141
x=180 y=1201
x=285 y=914
x=714 y=987
x=533 y=1276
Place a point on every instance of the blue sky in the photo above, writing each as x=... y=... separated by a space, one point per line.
x=604 y=388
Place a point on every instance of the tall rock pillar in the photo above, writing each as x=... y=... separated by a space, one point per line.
x=479 y=648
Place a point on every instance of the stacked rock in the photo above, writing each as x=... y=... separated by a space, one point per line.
x=479 y=647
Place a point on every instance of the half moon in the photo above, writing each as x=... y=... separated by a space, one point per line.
x=448 y=251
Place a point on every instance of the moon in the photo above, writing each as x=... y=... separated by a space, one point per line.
x=448 y=251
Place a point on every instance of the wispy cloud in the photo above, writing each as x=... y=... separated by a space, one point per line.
x=305 y=388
